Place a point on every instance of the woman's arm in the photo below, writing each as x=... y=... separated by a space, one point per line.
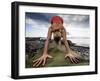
x=42 y=60
x=45 y=51
x=71 y=55
x=65 y=41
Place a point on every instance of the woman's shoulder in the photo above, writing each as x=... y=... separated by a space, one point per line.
x=50 y=28
x=62 y=28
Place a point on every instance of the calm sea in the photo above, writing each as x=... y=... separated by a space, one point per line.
x=81 y=41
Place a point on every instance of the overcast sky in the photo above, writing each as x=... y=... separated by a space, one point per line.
x=37 y=24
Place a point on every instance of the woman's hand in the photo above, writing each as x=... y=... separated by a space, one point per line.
x=73 y=57
x=42 y=60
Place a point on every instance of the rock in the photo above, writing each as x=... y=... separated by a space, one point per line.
x=34 y=47
x=84 y=51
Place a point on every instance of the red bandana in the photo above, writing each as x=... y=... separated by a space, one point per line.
x=56 y=19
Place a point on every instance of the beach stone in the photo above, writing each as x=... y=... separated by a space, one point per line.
x=58 y=55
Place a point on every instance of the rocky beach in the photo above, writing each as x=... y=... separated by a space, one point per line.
x=34 y=48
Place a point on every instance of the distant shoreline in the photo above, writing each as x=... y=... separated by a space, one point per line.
x=44 y=38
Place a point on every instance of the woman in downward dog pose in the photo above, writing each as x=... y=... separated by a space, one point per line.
x=58 y=31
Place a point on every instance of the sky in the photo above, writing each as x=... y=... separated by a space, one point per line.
x=37 y=24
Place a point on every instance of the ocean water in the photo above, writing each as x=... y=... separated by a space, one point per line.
x=81 y=41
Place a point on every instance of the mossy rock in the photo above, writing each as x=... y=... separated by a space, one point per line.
x=57 y=60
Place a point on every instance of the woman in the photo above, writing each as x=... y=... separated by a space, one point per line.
x=58 y=31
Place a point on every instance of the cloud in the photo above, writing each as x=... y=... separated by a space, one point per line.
x=36 y=23
x=36 y=28
x=76 y=19
x=46 y=17
x=78 y=32
x=76 y=25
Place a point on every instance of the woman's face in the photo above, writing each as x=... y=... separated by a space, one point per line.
x=57 y=24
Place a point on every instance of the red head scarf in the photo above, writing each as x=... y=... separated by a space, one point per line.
x=56 y=19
